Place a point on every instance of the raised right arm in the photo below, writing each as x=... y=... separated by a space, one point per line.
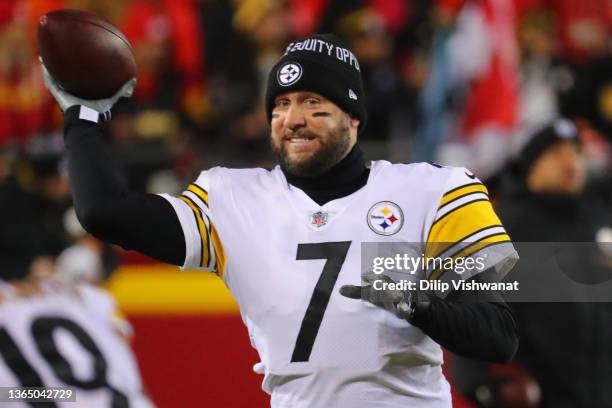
x=104 y=204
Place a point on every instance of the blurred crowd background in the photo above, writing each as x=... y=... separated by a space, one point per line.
x=456 y=82
x=450 y=81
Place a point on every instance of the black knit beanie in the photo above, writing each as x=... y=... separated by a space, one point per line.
x=320 y=64
x=544 y=137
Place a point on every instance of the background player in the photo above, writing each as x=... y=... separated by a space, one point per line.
x=54 y=334
x=317 y=347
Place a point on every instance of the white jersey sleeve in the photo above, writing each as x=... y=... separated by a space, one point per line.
x=466 y=226
x=203 y=248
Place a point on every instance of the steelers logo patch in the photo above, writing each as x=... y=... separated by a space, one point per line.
x=289 y=73
x=385 y=218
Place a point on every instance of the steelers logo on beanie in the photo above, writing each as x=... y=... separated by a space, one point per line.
x=289 y=73
x=320 y=64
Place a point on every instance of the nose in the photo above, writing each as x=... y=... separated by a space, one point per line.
x=295 y=118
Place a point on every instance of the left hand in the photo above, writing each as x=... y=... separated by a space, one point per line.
x=66 y=100
x=400 y=303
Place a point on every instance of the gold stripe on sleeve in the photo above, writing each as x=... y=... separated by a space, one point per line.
x=204 y=253
x=219 y=250
x=435 y=249
x=200 y=192
x=462 y=191
x=462 y=221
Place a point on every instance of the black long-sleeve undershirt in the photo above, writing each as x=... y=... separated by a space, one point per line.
x=106 y=207
x=147 y=223
x=474 y=324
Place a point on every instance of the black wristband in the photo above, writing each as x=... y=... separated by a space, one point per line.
x=421 y=309
x=415 y=307
x=79 y=114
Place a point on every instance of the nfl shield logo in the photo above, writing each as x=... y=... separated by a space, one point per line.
x=318 y=219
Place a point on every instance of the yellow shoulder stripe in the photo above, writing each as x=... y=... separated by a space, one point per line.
x=462 y=191
x=434 y=249
x=205 y=254
x=200 y=192
x=463 y=221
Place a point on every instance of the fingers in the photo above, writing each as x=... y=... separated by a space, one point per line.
x=377 y=297
x=351 y=291
x=43 y=68
x=358 y=292
x=127 y=89
x=49 y=82
x=60 y=96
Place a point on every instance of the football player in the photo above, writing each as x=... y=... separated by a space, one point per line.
x=54 y=334
x=286 y=240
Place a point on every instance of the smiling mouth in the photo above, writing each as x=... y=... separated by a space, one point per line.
x=298 y=139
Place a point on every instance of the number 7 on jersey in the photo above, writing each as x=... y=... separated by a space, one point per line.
x=334 y=253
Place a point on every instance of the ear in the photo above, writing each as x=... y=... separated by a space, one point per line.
x=354 y=122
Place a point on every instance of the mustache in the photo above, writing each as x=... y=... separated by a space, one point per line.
x=301 y=133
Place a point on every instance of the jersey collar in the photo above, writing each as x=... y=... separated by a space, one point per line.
x=343 y=179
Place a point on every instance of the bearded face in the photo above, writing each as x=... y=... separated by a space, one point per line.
x=310 y=134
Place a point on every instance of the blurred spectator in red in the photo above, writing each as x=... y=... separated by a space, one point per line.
x=25 y=108
x=168 y=44
x=305 y=16
x=583 y=27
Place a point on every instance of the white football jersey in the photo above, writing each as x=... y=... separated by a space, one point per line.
x=283 y=257
x=56 y=335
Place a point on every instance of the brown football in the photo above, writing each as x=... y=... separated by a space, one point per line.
x=88 y=56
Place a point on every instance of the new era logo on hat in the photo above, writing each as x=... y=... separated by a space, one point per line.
x=289 y=73
x=352 y=94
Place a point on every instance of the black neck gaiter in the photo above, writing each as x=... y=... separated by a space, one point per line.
x=344 y=178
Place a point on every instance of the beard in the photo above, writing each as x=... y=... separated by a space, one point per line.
x=333 y=147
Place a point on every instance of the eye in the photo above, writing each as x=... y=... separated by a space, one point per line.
x=311 y=101
x=281 y=103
